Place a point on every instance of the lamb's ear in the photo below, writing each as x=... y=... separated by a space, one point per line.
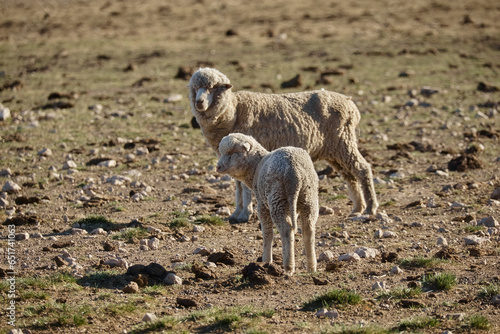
x=247 y=146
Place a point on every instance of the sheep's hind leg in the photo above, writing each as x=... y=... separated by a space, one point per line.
x=282 y=222
x=308 y=217
x=266 y=224
x=353 y=187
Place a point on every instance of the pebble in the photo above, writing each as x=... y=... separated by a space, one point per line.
x=69 y=165
x=5 y=172
x=495 y=194
x=324 y=313
x=456 y=316
x=223 y=211
x=384 y=217
x=326 y=256
x=152 y=229
x=203 y=251
x=22 y=236
x=366 y=252
x=396 y=270
x=173 y=279
x=154 y=243
x=11 y=187
x=350 y=257
x=488 y=222
x=46 y=152
x=98 y=231
x=107 y=164
x=116 y=262
x=441 y=241
x=132 y=287
x=149 y=317
x=198 y=228
x=78 y=231
x=379 y=286
x=474 y=240
x=4 y=113
x=173 y=98
x=3 y=203
x=495 y=300
x=38 y=235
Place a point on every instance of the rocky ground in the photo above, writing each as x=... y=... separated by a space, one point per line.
x=114 y=219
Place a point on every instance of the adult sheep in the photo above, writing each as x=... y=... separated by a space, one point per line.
x=286 y=187
x=321 y=122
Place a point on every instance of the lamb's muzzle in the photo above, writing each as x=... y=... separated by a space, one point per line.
x=204 y=98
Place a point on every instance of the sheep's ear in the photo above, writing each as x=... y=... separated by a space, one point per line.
x=224 y=86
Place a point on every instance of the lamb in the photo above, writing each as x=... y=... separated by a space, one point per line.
x=321 y=122
x=285 y=185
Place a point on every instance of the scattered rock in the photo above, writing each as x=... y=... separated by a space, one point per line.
x=256 y=273
x=474 y=240
x=22 y=236
x=441 y=241
x=98 y=231
x=132 y=287
x=46 y=152
x=396 y=270
x=203 y=251
x=60 y=262
x=495 y=300
x=116 y=262
x=350 y=257
x=154 y=243
x=109 y=247
x=4 y=112
x=149 y=317
x=173 y=98
x=379 y=286
x=488 y=222
x=10 y=187
x=366 y=252
x=326 y=256
x=318 y=281
x=107 y=164
x=173 y=279
x=70 y=164
x=324 y=313
x=495 y=194
x=186 y=302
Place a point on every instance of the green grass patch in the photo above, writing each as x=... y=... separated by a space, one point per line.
x=210 y=220
x=131 y=233
x=440 y=281
x=489 y=291
x=333 y=297
x=92 y=222
x=478 y=321
x=417 y=323
x=400 y=293
x=122 y=308
x=102 y=279
x=58 y=314
x=473 y=229
x=180 y=220
x=355 y=329
x=421 y=262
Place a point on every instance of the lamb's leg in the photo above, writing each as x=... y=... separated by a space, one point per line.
x=238 y=202
x=365 y=176
x=280 y=219
x=308 y=217
x=266 y=225
x=247 y=206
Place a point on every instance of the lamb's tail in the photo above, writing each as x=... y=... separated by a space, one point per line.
x=293 y=212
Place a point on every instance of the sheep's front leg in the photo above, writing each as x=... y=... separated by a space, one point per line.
x=308 y=217
x=238 y=202
x=246 y=199
x=266 y=225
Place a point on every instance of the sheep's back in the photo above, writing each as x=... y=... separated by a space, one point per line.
x=305 y=119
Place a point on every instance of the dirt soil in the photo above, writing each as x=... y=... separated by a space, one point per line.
x=88 y=82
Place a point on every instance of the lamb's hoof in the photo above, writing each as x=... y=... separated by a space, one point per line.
x=238 y=220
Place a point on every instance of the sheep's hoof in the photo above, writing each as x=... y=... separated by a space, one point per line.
x=237 y=220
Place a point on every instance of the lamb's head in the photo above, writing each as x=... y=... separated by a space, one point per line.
x=205 y=86
x=236 y=152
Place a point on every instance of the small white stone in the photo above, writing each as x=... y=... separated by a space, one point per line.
x=396 y=270
x=366 y=252
x=379 y=286
x=46 y=152
x=223 y=211
x=78 y=231
x=389 y=234
x=98 y=231
x=173 y=279
x=488 y=222
x=173 y=98
x=198 y=228
x=38 y=235
x=4 y=113
x=149 y=317
x=474 y=240
x=69 y=165
x=11 y=187
x=22 y=236
x=152 y=229
x=116 y=262
x=154 y=243
x=350 y=257
x=107 y=164
x=326 y=256
x=441 y=241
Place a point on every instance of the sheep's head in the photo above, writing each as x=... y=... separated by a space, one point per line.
x=205 y=86
x=234 y=149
